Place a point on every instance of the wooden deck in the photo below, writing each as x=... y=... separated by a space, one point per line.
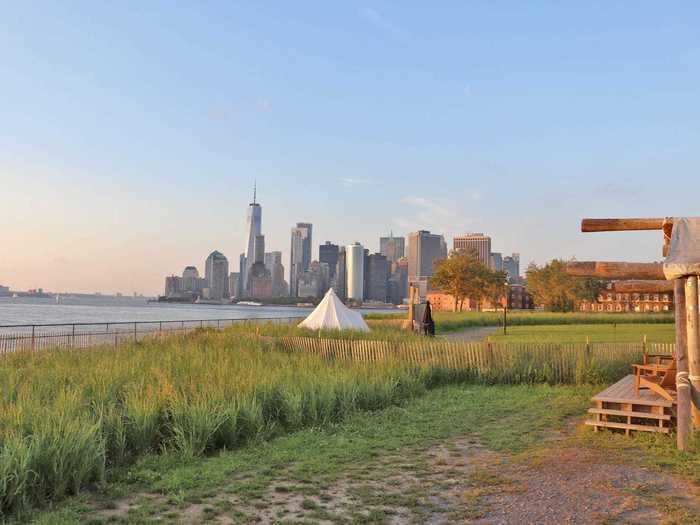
x=620 y=407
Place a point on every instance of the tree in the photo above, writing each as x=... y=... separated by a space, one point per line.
x=558 y=291
x=462 y=275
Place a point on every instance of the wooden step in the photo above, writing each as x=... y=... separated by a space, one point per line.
x=626 y=426
x=626 y=413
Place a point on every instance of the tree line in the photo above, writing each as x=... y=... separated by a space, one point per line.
x=463 y=276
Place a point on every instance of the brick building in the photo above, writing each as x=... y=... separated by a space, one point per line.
x=611 y=301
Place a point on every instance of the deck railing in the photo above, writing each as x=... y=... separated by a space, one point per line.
x=14 y=338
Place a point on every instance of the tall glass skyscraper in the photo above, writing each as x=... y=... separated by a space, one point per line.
x=253 y=228
x=300 y=254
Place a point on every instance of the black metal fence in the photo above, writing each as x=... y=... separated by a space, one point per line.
x=14 y=338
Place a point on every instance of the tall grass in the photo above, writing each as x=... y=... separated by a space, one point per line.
x=68 y=416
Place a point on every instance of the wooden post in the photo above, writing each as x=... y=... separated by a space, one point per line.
x=682 y=385
x=693 y=345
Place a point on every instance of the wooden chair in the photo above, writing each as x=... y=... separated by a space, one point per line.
x=659 y=377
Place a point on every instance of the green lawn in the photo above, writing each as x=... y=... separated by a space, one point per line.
x=454 y=321
x=596 y=333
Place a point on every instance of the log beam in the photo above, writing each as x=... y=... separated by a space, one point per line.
x=616 y=270
x=616 y=225
x=643 y=286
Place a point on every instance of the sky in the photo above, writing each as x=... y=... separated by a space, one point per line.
x=131 y=133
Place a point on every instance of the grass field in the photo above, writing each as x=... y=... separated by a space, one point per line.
x=453 y=321
x=71 y=419
x=308 y=466
x=595 y=333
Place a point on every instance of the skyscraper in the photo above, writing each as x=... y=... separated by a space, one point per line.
x=355 y=271
x=496 y=261
x=377 y=280
x=476 y=242
x=190 y=279
x=392 y=247
x=217 y=276
x=424 y=249
x=511 y=265
x=253 y=228
x=300 y=254
x=340 y=285
x=273 y=263
x=328 y=253
x=398 y=282
x=259 y=250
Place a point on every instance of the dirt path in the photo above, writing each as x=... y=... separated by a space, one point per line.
x=471 y=335
x=458 y=481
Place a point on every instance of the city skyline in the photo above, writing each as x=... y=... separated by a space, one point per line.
x=132 y=136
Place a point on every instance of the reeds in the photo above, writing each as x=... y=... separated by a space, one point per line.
x=67 y=416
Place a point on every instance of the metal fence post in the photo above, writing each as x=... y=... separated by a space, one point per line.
x=72 y=337
x=33 y=342
x=134 y=332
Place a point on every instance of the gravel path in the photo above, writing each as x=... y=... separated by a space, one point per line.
x=472 y=335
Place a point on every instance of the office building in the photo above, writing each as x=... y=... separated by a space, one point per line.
x=217 y=276
x=253 y=229
x=355 y=272
x=328 y=253
x=393 y=248
x=313 y=283
x=273 y=263
x=424 y=250
x=173 y=285
x=340 y=280
x=377 y=278
x=300 y=254
x=477 y=243
x=511 y=265
x=234 y=285
x=398 y=281
x=496 y=261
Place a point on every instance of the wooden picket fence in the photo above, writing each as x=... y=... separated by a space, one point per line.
x=486 y=361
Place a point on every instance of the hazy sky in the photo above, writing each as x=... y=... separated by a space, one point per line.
x=131 y=132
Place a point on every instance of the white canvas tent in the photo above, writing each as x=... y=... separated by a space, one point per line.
x=332 y=314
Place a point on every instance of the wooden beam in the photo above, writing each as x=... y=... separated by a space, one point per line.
x=616 y=270
x=617 y=225
x=684 y=422
x=643 y=286
x=693 y=335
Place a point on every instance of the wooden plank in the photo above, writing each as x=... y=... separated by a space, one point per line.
x=630 y=413
x=616 y=270
x=637 y=286
x=683 y=419
x=624 y=392
x=626 y=426
x=626 y=224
